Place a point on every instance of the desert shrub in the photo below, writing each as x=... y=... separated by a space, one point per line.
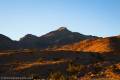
x=73 y=77
x=98 y=71
x=98 y=68
x=74 y=68
x=35 y=76
x=56 y=76
x=40 y=60
x=116 y=69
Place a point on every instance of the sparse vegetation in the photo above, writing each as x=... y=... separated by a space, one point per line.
x=68 y=65
x=74 y=68
x=57 y=76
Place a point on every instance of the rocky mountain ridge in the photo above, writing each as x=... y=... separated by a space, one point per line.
x=59 y=37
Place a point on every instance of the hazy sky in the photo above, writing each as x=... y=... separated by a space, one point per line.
x=90 y=17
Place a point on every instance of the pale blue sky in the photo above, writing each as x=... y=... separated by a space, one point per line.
x=90 y=17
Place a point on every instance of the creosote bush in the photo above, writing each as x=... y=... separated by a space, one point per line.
x=56 y=76
x=74 y=68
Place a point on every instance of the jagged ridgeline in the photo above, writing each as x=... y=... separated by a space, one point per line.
x=59 y=37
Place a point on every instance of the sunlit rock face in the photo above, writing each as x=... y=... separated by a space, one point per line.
x=108 y=44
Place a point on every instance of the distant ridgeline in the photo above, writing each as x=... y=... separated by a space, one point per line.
x=62 y=39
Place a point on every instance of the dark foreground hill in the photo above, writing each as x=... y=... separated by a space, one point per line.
x=8 y=44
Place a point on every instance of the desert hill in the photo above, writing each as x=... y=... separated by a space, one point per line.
x=108 y=44
x=5 y=42
x=28 y=41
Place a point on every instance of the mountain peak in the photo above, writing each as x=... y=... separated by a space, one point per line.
x=28 y=37
x=3 y=37
x=62 y=29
